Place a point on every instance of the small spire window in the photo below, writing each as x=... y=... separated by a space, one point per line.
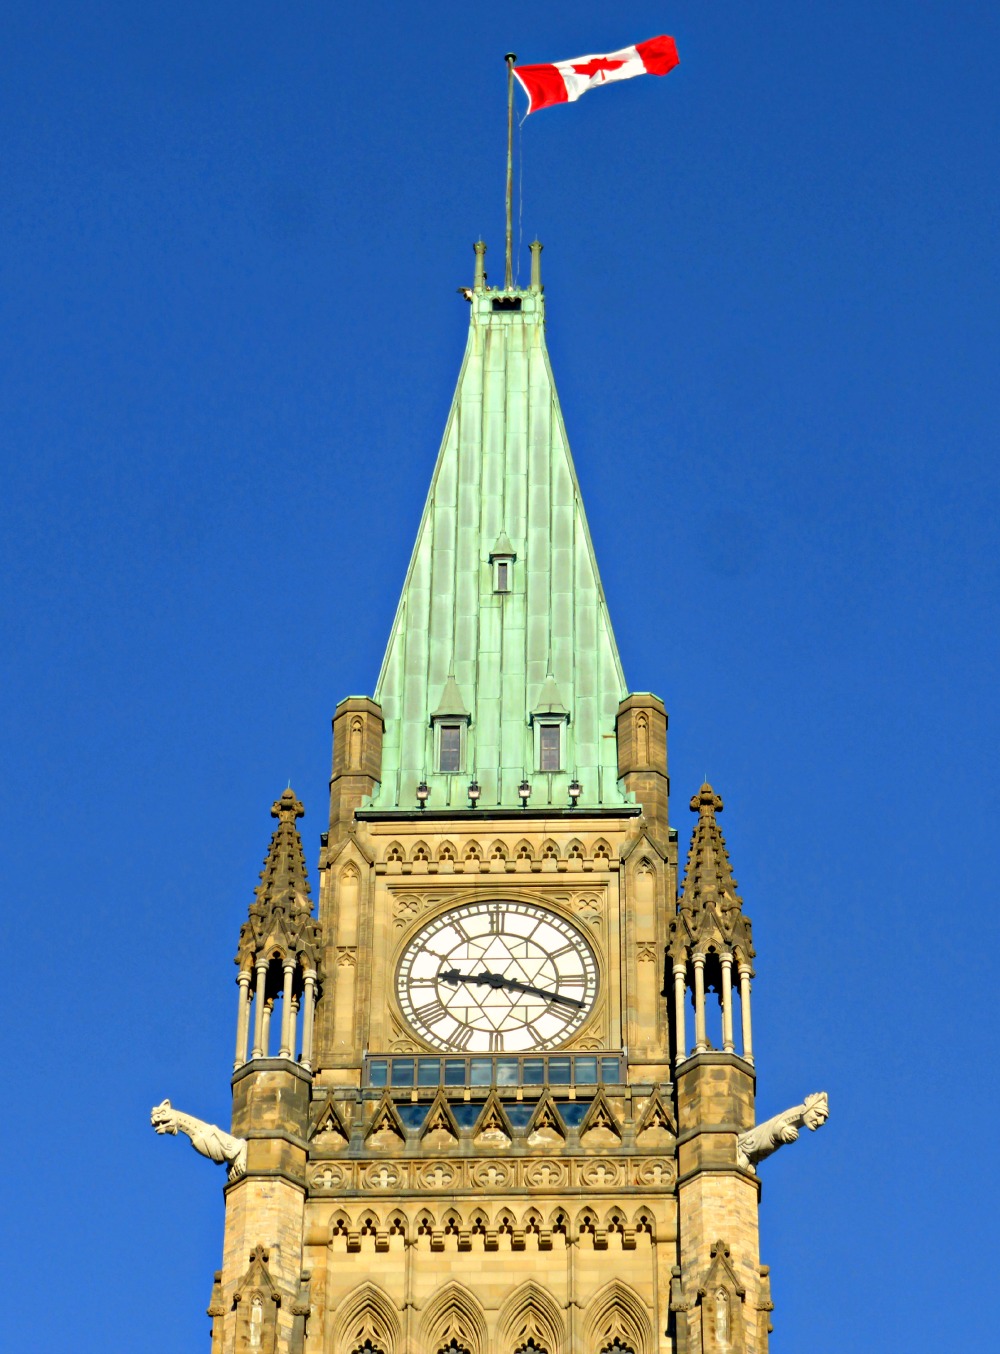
x=450 y=747
x=550 y=747
x=502 y=559
x=450 y=723
x=550 y=719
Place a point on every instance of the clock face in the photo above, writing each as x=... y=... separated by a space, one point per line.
x=497 y=978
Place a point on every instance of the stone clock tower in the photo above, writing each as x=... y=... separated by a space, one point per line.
x=494 y=1092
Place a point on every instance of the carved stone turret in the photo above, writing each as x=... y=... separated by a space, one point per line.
x=357 y=759
x=719 y=1287
x=642 y=755
x=280 y=946
x=710 y=944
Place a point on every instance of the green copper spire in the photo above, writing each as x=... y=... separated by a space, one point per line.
x=502 y=615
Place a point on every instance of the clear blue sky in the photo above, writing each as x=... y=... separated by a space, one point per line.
x=230 y=240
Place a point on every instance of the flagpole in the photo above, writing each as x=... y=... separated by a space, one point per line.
x=510 y=58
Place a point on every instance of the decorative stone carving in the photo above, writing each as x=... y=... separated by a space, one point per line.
x=437 y=1175
x=210 y=1141
x=492 y=1174
x=544 y=1174
x=332 y=1177
x=601 y=1174
x=763 y=1139
x=588 y=907
x=658 y=1172
x=381 y=1177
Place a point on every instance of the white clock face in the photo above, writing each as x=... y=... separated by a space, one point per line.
x=497 y=978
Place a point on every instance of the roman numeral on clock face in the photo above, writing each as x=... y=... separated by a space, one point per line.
x=431 y=1013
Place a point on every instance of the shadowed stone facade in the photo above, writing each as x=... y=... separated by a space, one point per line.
x=494 y=1093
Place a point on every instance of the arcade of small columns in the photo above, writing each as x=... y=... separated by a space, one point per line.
x=724 y=961
x=262 y=980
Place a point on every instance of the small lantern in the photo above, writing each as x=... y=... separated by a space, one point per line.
x=474 y=793
x=423 y=794
x=575 y=791
x=524 y=790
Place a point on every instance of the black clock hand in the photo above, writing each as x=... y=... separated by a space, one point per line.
x=453 y=977
x=541 y=992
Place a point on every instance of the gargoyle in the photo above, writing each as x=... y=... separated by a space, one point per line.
x=763 y=1139
x=207 y=1139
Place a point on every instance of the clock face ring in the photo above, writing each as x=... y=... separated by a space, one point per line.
x=497 y=977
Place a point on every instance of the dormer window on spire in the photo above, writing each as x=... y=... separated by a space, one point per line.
x=450 y=722
x=502 y=559
x=549 y=719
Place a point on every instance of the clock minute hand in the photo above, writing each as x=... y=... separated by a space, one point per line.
x=453 y=977
x=541 y=992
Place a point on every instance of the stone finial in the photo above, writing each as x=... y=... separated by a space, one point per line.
x=709 y=910
x=288 y=808
x=706 y=802
x=280 y=915
x=708 y=875
x=284 y=872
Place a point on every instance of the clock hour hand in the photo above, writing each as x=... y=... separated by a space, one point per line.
x=453 y=977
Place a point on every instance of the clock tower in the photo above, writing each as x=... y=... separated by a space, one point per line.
x=494 y=1092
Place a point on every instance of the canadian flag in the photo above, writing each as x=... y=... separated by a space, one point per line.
x=565 y=81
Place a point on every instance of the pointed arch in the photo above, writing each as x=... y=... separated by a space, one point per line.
x=446 y=852
x=617 y=1314
x=331 y=1131
x=493 y=1127
x=397 y=1229
x=453 y=1317
x=394 y=853
x=385 y=1129
x=545 y=1127
x=600 y=1126
x=602 y=851
x=367 y=1314
x=524 y=851
x=498 y=851
x=656 y=1127
x=341 y=1228
x=575 y=851
x=440 y=1129
x=550 y=850
x=529 y=1313
x=355 y=743
x=421 y=854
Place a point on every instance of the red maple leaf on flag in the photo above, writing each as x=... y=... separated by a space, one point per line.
x=597 y=66
x=564 y=81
